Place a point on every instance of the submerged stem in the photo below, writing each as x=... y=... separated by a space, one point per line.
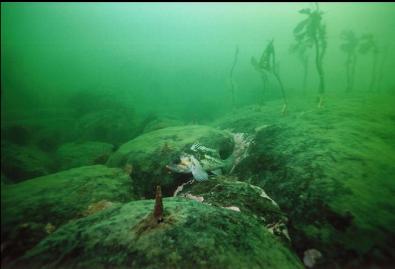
x=158 y=210
x=232 y=83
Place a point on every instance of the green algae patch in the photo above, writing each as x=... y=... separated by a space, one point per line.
x=36 y=207
x=192 y=235
x=149 y=154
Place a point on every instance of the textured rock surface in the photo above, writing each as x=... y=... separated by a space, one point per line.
x=225 y=191
x=19 y=163
x=27 y=207
x=192 y=235
x=329 y=170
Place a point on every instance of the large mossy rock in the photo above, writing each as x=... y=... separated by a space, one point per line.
x=19 y=163
x=329 y=171
x=71 y=155
x=192 y=235
x=149 y=154
x=27 y=208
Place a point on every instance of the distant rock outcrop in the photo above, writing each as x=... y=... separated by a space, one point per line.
x=71 y=155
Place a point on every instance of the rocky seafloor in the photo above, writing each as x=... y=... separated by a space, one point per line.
x=315 y=189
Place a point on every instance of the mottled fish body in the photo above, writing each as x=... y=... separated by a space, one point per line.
x=197 y=170
x=208 y=160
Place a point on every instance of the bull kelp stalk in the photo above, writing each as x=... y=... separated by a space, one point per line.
x=384 y=58
x=275 y=73
x=267 y=65
x=349 y=46
x=264 y=66
x=232 y=83
x=263 y=73
x=158 y=209
x=369 y=45
x=312 y=31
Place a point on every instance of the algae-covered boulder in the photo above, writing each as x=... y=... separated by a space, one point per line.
x=328 y=169
x=192 y=235
x=72 y=155
x=23 y=162
x=149 y=154
x=50 y=201
x=230 y=193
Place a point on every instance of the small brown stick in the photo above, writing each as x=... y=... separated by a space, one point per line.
x=158 y=210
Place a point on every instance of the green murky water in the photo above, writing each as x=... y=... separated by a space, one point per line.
x=281 y=114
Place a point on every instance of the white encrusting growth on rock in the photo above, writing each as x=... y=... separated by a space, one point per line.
x=181 y=187
x=234 y=208
x=193 y=197
x=263 y=194
x=242 y=144
x=311 y=256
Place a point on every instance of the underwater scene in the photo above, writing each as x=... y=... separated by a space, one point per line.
x=197 y=135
